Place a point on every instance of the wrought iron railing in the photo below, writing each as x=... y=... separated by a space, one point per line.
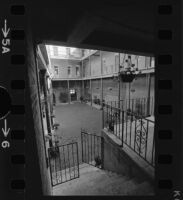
x=92 y=149
x=64 y=163
x=138 y=106
x=134 y=130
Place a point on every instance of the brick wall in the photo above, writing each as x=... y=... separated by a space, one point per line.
x=138 y=88
x=86 y=88
x=110 y=90
x=63 y=68
x=96 y=89
x=86 y=68
x=77 y=86
x=95 y=66
x=35 y=136
x=61 y=87
x=108 y=62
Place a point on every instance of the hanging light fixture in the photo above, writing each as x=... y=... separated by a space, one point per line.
x=128 y=73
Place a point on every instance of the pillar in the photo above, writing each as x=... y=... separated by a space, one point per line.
x=119 y=84
x=129 y=88
x=101 y=88
x=90 y=80
x=82 y=78
x=148 y=94
x=68 y=88
x=101 y=78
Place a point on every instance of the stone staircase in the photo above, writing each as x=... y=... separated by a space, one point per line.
x=94 y=181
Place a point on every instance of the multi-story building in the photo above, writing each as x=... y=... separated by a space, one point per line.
x=93 y=75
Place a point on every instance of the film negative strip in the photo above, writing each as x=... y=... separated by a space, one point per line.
x=37 y=161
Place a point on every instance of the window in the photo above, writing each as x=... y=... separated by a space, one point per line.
x=69 y=71
x=77 y=70
x=72 y=91
x=56 y=70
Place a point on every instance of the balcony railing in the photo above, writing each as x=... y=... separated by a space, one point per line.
x=134 y=130
x=138 y=106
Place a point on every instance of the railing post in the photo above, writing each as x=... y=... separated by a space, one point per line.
x=102 y=115
x=122 y=126
x=49 y=160
x=82 y=147
x=102 y=152
x=107 y=113
x=77 y=157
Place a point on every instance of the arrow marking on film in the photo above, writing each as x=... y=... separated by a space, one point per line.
x=5 y=31
x=5 y=131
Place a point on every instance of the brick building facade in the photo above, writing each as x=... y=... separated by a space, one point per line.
x=94 y=74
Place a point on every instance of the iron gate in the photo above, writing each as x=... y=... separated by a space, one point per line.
x=64 y=163
x=92 y=149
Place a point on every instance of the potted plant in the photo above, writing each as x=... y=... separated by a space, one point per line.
x=54 y=152
x=98 y=161
x=81 y=99
x=128 y=73
x=56 y=125
x=110 y=123
x=129 y=111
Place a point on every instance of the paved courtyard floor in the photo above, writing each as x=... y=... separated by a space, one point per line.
x=73 y=117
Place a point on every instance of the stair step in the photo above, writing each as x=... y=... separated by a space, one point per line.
x=143 y=187
x=117 y=186
x=94 y=181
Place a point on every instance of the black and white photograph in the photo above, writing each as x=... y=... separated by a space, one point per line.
x=98 y=117
x=91 y=99
x=96 y=88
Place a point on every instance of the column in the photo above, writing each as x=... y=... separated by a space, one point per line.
x=148 y=94
x=82 y=79
x=101 y=78
x=129 y=88
x=68 y=88
x=90 y=80
x=119 y=84
x=101 y=88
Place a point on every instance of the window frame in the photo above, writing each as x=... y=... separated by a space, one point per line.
x=69 y=71
x=77 y=70
x=55 y=66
